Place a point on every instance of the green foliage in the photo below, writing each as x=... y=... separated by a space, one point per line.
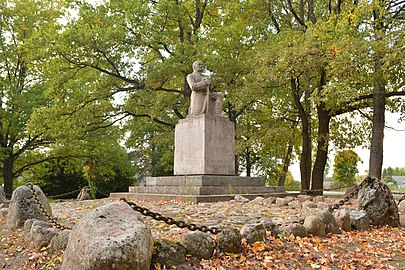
x=291 y=184
x=345 y=167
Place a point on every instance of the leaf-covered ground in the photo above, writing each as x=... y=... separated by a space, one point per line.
x=379 y=248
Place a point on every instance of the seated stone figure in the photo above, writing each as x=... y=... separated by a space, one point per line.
x=201 y=87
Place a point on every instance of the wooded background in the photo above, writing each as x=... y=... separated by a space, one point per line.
x=91 y=91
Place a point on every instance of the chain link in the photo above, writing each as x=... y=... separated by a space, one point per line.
x=367 y=181
x=51 y=219
x=170 y=221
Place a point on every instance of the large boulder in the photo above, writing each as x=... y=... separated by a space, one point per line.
x=59 y=241
x=23 y=206
x=376 y=199
x=253 y=232
x=110 y=237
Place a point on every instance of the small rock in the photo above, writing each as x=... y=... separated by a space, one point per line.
x=329 y=220
x=322 y=205
x=59 y=241
x=289 y=199
x=240 y=198
x=84 y=194
x=295 y=229
x=303 y=198
x=42 y=234
x=342 y=217
x=230 y=240
x=359 y=220
x=295 y=204
x=309 y=204
x=269 y=225
x=401 y=206
x=318 y=199
x=3 y=213
x=280 y=202
x=29 y=222
x=198 y=244
x=315 y=226
x=257 y=200
x=269 y=200
x=253 y=233
x=169 y=254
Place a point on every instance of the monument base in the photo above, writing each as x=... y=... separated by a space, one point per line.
x=201 y=188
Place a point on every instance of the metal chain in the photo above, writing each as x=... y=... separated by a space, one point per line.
x=325 y=189
x=51 y=219
x=63 y=194
x=170 y=221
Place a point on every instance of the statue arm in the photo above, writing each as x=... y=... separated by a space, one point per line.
x=198 y=86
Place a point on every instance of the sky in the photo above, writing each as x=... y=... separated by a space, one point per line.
x=394 y=148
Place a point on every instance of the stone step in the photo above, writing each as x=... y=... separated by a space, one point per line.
x=192 y=190
x=205 y=180
x=190 y=198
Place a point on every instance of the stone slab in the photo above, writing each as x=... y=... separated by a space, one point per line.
x=190 y=198
x=204 y=144
x=205 y=180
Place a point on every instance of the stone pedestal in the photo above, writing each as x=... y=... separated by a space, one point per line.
x=204 y=166
x=204 y=144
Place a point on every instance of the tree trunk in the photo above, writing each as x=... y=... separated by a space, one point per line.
x=306 y=156
x=248 y=162
x=322 y=149
x=8 y=176
x=286 y=164
x=377 y=137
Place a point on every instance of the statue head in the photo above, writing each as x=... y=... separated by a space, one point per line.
x=198 y=66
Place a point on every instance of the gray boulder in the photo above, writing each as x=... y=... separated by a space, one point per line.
x=23 y=206
x=229 y=240
x=42 y=233
x=253 y=233
x=110 y=237
x=315 y=226
x=59 y=241
x=342 y=217
x=376 y=199
x=198 y=244
x=295 y=229
x=359 y=220
x=168 y=254
x=329 y=220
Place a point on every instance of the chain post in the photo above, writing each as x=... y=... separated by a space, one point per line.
x=51 y=219
x=170 y=221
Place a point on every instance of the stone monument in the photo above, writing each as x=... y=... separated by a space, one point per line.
x=204 y=154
